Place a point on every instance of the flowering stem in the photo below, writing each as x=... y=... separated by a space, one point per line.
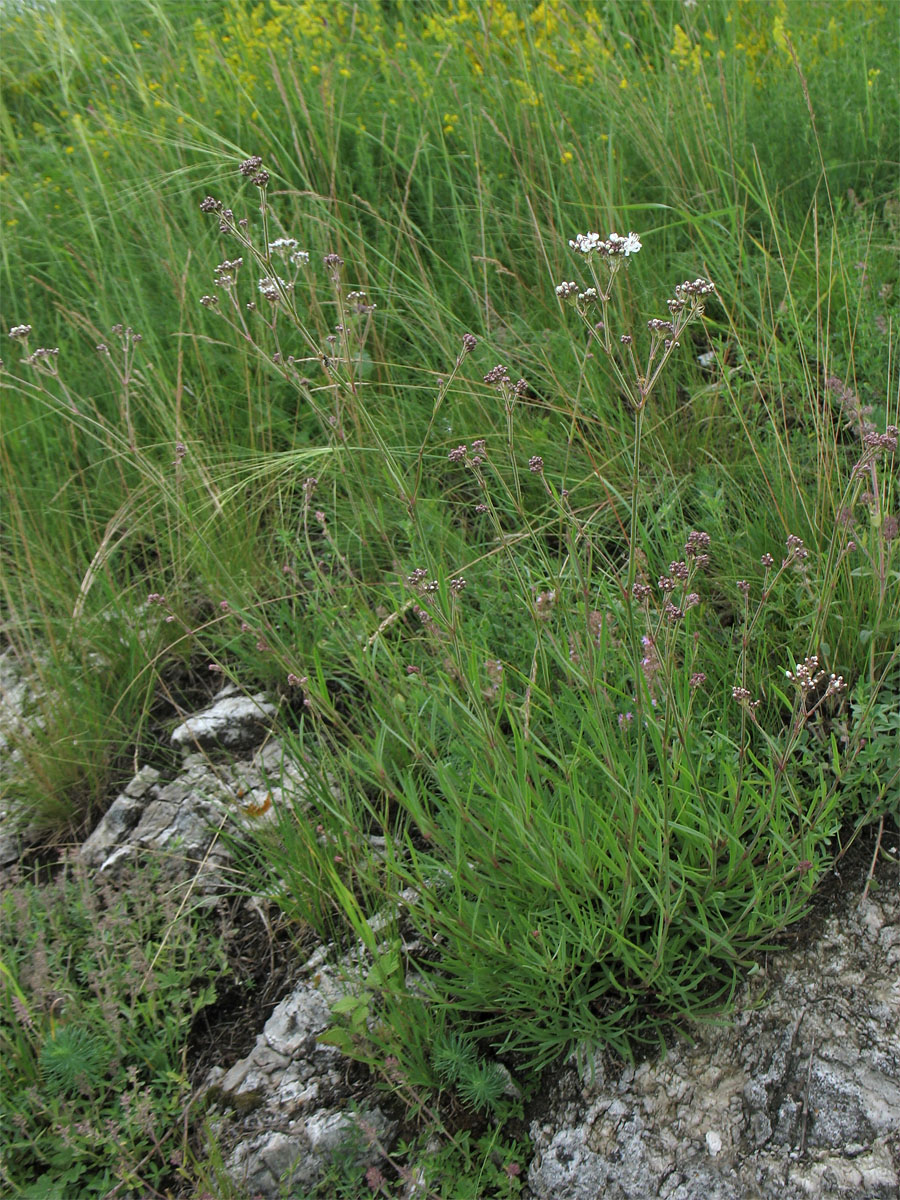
x=442 y=392
x=632 y=563
x=508 y=402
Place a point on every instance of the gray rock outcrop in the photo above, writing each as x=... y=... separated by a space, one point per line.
x=177 y=823
x=796 y=1097
x=233 y=721
x=285 y=1109
x=18 y=690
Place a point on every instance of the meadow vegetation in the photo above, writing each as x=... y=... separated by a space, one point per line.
x=570 y=555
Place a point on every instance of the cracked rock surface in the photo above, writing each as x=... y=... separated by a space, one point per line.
x=176 y=823
x=285 y=1104
x=796 y=1097
x=233 y=721
x=17 y=690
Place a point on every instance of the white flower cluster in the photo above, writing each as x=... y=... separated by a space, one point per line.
x=807 y=676
x=273 y=287
x=689 y=295
x=613 y=247
x=695 y=287
x=226 y=272
x=570 y=293
x=585 y=243
x=287 y=247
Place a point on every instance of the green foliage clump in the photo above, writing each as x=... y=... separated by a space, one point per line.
x=453 y=1056
x=71 y=1058
x=99 y=990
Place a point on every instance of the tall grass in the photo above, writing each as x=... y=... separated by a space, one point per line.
x=596 y=840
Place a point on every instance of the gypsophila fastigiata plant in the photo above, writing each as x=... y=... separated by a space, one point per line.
x=599 y=799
